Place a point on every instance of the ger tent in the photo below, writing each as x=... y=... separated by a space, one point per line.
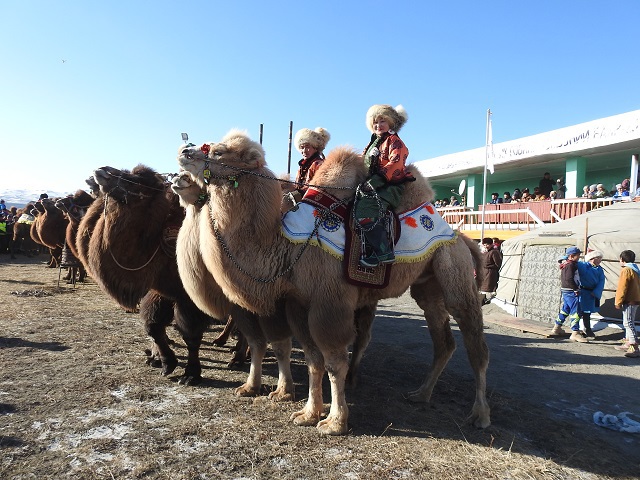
x=529 y=285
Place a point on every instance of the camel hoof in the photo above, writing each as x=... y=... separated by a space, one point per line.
x=330 y=426
x=304 y=419
x=281 y=396
x=480 y=419
x=246 y=391
x=418 y=397
x=190 y=380
x=168 y=366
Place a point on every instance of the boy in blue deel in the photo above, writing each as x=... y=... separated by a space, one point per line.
x=591 y=287
x=570 y=289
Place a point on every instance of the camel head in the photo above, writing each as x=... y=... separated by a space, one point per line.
x=75 y=205
x=189 y=192
x=93 y=186
x=37 y=209
x=222 y=162
x=126 y=186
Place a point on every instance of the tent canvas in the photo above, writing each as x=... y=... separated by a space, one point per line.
x=529 y=283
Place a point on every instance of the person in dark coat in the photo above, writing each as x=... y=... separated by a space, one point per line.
x=492 y=264
x=546 y=184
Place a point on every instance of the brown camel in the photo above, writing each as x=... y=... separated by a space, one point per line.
x=242 y=247
x=74 y=208
x=50 y=229
x=124 y=241
x=22 y=241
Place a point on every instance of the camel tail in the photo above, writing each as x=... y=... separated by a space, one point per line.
x=477 y=258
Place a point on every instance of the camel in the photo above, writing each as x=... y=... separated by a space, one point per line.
x=22 y=240
x=124 y=242
x=74 y=208
x=243 y=249
x=49 y=229
x=209 y=297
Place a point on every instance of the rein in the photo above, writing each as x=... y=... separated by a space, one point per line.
x=134 y=269
x=327 y=213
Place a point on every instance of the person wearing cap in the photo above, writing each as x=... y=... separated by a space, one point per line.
x=311 y=144
x=560 y=189
x=385 y=157
x=570 y=289
x=492 y=264
x=591 y=287
x=627 y=299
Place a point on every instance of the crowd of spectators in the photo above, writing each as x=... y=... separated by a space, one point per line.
x=548 y=190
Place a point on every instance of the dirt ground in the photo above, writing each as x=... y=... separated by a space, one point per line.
x=78 y=401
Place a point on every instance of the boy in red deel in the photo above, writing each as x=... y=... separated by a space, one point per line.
x=570 y=289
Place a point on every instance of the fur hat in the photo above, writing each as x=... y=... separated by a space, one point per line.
x=317 y=138
x=593 y=254
x=396 y=117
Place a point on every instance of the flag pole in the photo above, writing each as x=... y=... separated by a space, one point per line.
x=484 y=176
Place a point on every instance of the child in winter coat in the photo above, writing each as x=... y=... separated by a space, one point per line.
x=627 y=300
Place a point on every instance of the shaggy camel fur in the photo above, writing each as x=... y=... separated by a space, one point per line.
x=256 y=266
x=74 y=208
x=208 y=296
x=49 y=229
x=120 y=242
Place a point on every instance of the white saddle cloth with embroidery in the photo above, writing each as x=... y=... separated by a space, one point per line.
x=422 y=231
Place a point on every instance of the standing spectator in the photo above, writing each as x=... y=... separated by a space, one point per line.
x=627 y=300
x=492 y=264
x=3 y=207
x=546 y=184
x=560 y=189
x=591 y=286
x=570 y=289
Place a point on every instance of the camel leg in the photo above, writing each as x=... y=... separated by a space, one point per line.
x=247 y=323
x=363 y=319
x=221 y=339
x=157 y=313
x=240 y=351
x=429 y=298
x=297 y=318
x=285 y=390
x=337 y=365
x=462 y=301
x=332 y=329
x=191 y=323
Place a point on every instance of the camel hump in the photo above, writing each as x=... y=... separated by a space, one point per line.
x=342 y=168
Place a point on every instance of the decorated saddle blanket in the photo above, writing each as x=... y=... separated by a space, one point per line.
x=422 y=229
x=26 y=218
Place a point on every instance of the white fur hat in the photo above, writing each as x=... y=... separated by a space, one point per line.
x=396 y=117
x=317 y=138
x=593 y=254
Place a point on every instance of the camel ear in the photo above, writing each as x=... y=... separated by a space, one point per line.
x=254 y=156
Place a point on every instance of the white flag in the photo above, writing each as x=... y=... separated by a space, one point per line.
x=489 y=149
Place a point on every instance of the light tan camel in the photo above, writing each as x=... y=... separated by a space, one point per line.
x=242 y=247
x=208 y=296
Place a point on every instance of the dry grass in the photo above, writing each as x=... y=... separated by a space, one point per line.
x=78 y=401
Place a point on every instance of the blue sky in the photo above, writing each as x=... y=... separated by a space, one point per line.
x=88 y=84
